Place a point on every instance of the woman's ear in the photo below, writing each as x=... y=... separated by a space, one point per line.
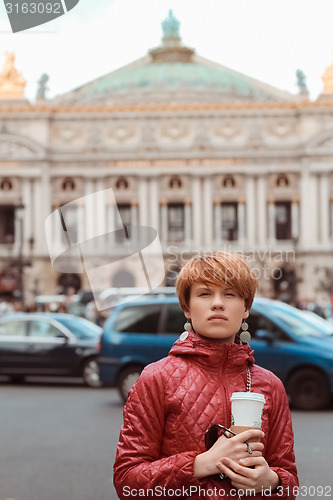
x=246 y=314
x=187 y=315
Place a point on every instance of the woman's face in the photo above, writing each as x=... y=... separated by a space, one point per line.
x=216 y=312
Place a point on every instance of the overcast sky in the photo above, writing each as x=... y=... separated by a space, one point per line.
x=266 y=39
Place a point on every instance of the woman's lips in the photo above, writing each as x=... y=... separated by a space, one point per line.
x=217 y=317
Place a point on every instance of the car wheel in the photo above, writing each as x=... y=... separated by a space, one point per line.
x=90 y=373
x=127 y=378
x=308 y=389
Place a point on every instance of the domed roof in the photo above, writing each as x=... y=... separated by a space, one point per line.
x=172 y=71
x=173 y=74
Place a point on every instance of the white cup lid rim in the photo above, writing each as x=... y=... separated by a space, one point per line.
x=254 y=396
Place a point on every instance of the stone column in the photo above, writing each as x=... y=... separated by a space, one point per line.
x=250 y=212
x=57 y=233
x=196 y=212
x=241 y=222
x=208 y=213
x=295 y=219
x=39 y=217
x=217 y=222
x=154 y=203
x=86 y=223
x=262 y=212
x=308 y=209
x=27 y=202
x=143 y=201
x=271 y=222
x=331 y=218
x=100 y=214
x=80 y=212
x=134 y=213
x=188 y=222
x=324 y=208
x=111 y=226
x=164 y=222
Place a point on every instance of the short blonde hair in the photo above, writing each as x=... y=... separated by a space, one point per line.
x=217 y=268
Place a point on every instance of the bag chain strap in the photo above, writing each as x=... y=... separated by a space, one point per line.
x=248 y=380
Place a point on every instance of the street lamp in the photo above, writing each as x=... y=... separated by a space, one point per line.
x=19 y=210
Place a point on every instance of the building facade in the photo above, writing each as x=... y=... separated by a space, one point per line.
x=209 y=157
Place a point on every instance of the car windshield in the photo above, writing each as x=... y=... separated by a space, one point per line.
x=302 y=323
x=81 y=327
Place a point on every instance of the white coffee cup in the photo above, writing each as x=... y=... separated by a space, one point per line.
x=246 y=409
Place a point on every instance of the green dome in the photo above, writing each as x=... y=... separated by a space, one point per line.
x=173 y=72
x=174 y=75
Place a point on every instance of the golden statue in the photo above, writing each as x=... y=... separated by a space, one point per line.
x=12 y=83
x=327 y=79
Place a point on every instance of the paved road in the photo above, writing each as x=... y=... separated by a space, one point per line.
x=57 y=442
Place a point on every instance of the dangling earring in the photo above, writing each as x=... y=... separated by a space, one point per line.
x=245 y=336
x=187 y=327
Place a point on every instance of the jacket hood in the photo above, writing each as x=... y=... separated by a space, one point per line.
x=212 y=353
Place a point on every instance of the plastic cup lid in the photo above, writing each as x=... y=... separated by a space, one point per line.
x=250 y=396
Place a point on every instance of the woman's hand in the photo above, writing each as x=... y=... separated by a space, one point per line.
x=242 y=477
x=233 y=448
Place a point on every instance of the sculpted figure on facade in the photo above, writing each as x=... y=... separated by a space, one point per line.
x=12 y=83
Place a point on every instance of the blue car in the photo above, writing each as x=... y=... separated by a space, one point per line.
x=296 y=345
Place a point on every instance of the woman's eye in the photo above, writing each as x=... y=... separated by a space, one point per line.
x=230 y=293
x=203 y=293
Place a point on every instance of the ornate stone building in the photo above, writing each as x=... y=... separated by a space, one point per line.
x=208 y=156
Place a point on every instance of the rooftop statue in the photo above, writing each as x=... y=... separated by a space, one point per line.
x=327 y=79
x=12 y=82
x=42 y=87
x=170 y=26
x=301 y=79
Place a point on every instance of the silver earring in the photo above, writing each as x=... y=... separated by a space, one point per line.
x=187 y=327
x=245 y=336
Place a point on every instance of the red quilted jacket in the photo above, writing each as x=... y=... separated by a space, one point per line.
x=173 y=403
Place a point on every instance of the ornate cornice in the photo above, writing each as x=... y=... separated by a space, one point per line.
x=122 y=108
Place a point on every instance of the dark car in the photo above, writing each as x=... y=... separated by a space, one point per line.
x=297 y=346
x=51 y=344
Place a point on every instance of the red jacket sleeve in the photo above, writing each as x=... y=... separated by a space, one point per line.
x=280 y=443
x=138 y=464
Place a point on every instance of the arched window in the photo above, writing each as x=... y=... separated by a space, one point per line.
x=282 y=181
x=6 y=185
x=229 y=181
x=175 y=182
x=122 y=183
x=68 y=184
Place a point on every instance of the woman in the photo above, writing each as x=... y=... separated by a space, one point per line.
x=161 y=451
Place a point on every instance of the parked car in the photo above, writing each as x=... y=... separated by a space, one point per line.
x=49 y=344
x=296 y=346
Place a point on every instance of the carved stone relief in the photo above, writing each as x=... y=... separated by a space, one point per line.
x=94 y=135
x=282 y=128
x=13 y=150
x=227 y=130
x=174 y=130
x=255 y=134
x=201 y=138
x=121 y=132
x=148 y=133
x=67 y=133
